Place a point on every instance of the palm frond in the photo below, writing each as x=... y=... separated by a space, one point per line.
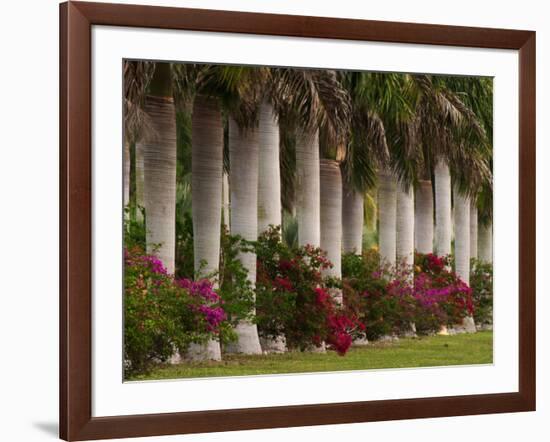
x=137 y=76
x=313 y=99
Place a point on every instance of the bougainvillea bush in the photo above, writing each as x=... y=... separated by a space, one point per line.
x=232 y=281
x=293 y=297
x=481 y=283
x=443 y=298
x=370 y=291
x=163 y=315
x=388 y=300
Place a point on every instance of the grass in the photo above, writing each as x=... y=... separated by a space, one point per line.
x=464 y=349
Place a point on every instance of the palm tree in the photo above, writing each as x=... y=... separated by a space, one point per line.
x=126 y=174
x=159 y=160
x=294 y=105
x=387 y=216
x=471 y=142
x=485 y=222
x=244 y=152
x=477 y=94
x=225 y=201
x=352 y=219
x=236 y=90
x=485 y=243
x=449 y=134
x=207 y=168
x=366 y=151
x=331 y=218
x=405 y=226
x=443 y=221
x=462 y=247
x=306 y=100
x=206 y=187
x=204 y=86
x=137 y=127
x=423 y=221
x=269 y=174
x=140 y=180
x=462 y=236
x=396 y=197
x=473 y=230
x=308 y=188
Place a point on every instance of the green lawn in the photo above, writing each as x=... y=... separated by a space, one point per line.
x=407 y=352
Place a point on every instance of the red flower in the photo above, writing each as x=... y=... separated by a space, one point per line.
x=285 y=265
x=284 y=284
x=321 y=296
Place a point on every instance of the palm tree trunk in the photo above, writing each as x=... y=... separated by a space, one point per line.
x=269 y=191
x=269 y=174
x=387 y=206
x=424 y=217
x=462 y=236
x=443 y=225
x=243 y=158
x=331 y=219
x=225 y=202
x=140 y=181
x=159 y=164
x=485 y=243
x=473 y=231
x=206 y=194
x=308 y=188
x=405 y=237
x=126 y=195
x=405 y=227
x=352 y=220
x=462 y=247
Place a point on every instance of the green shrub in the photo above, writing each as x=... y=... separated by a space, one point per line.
x=185 y=265
x=366 y=286
x=134 y=228
x=236 y=291
x=162 y=315
x=481 y=283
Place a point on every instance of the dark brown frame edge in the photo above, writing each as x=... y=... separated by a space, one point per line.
x=76 y=421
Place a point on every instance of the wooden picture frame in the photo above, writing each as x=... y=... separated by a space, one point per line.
x=76 y=21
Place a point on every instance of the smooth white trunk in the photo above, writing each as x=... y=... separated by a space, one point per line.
x=462 y=236
x=424 y=217
x=387 y=207
x=331 y=219
x=352 y=220
x=308 y=211
x=269 y=173
x=225 y=201
x=462 y=247
x=485 y=243
x=159 y=163
x=243 y=159
x=126 y=172
x=269 y=191
x=443 y=225
x=473 y=231
x=206 y=194
x=405 y=227
x=140 y=180
x=405 y=237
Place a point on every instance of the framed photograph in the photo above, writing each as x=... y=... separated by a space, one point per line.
x=273 y=221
